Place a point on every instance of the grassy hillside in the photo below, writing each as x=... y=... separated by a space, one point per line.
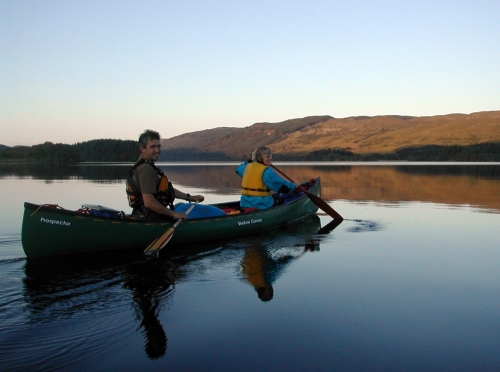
x=359 y=135
x=238 y=143
x=384 y=134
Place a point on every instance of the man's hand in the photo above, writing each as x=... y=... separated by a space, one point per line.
x=179 y=215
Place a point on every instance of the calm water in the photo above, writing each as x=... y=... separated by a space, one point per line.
x=409 y=281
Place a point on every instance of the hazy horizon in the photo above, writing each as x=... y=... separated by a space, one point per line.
x=81 y=70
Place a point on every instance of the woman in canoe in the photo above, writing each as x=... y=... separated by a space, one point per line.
x=260 y=180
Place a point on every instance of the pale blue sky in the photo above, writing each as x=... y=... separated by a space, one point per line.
x=74 y=70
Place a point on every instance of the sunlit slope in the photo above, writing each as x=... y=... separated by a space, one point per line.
x=239 y=142
x=380 y=134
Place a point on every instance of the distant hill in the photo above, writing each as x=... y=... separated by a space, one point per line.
x=361 y=135
x=453 y=137
x=235 y=143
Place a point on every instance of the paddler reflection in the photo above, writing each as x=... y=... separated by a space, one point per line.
x=264 y=261
x=151 y=284
x=259 y=270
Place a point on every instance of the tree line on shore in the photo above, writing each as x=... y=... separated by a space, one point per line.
x=110 y=150
x=102 y=150
x=485 y=152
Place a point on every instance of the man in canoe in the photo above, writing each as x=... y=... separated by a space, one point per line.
x=149 y=192
x=260 y=179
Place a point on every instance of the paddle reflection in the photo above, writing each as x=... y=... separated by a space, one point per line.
x=329 y=227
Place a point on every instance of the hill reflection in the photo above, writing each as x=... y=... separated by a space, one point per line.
x=475 y=185
x=106 y=173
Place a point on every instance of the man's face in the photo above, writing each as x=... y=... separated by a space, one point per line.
x=151 y=151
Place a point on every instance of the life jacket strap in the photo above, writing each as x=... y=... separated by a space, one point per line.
x=261 y=190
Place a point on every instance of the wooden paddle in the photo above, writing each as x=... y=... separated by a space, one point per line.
x=320 y=203
x=162 y=241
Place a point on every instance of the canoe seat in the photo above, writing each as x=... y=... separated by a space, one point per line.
x=231 y=210
x=247 y=210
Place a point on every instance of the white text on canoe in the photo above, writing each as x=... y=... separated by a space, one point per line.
x=249 y=222
x=55 y=222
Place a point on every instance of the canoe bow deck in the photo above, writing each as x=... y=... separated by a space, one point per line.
x=52 y=231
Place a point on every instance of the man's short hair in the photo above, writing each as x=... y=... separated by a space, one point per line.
x=146 y=136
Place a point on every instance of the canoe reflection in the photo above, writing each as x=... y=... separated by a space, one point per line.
x=105 y=287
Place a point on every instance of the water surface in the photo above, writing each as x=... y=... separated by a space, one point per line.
x=409 y=281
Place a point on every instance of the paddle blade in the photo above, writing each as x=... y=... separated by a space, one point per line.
x=321 y=204
x=167 y=235
x=161 y=241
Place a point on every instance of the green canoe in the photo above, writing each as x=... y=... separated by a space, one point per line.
x=50 y=230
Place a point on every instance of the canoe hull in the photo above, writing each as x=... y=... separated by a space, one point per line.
x=49 y=231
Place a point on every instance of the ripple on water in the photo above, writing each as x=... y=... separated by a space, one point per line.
x=43 y=346
x=11 y=296
x=49 y=312
x=11 y=247
x=364 y=226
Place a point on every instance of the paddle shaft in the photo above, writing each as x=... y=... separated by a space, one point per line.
x=162 y=241
x=187 y=212
x=320 y=203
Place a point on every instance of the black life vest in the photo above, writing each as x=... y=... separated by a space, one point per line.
x=165 y=193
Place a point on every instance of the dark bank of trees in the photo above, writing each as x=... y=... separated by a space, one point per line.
x=46 y=152
x=485 y=152
x=109 y=150
x=189 y=154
